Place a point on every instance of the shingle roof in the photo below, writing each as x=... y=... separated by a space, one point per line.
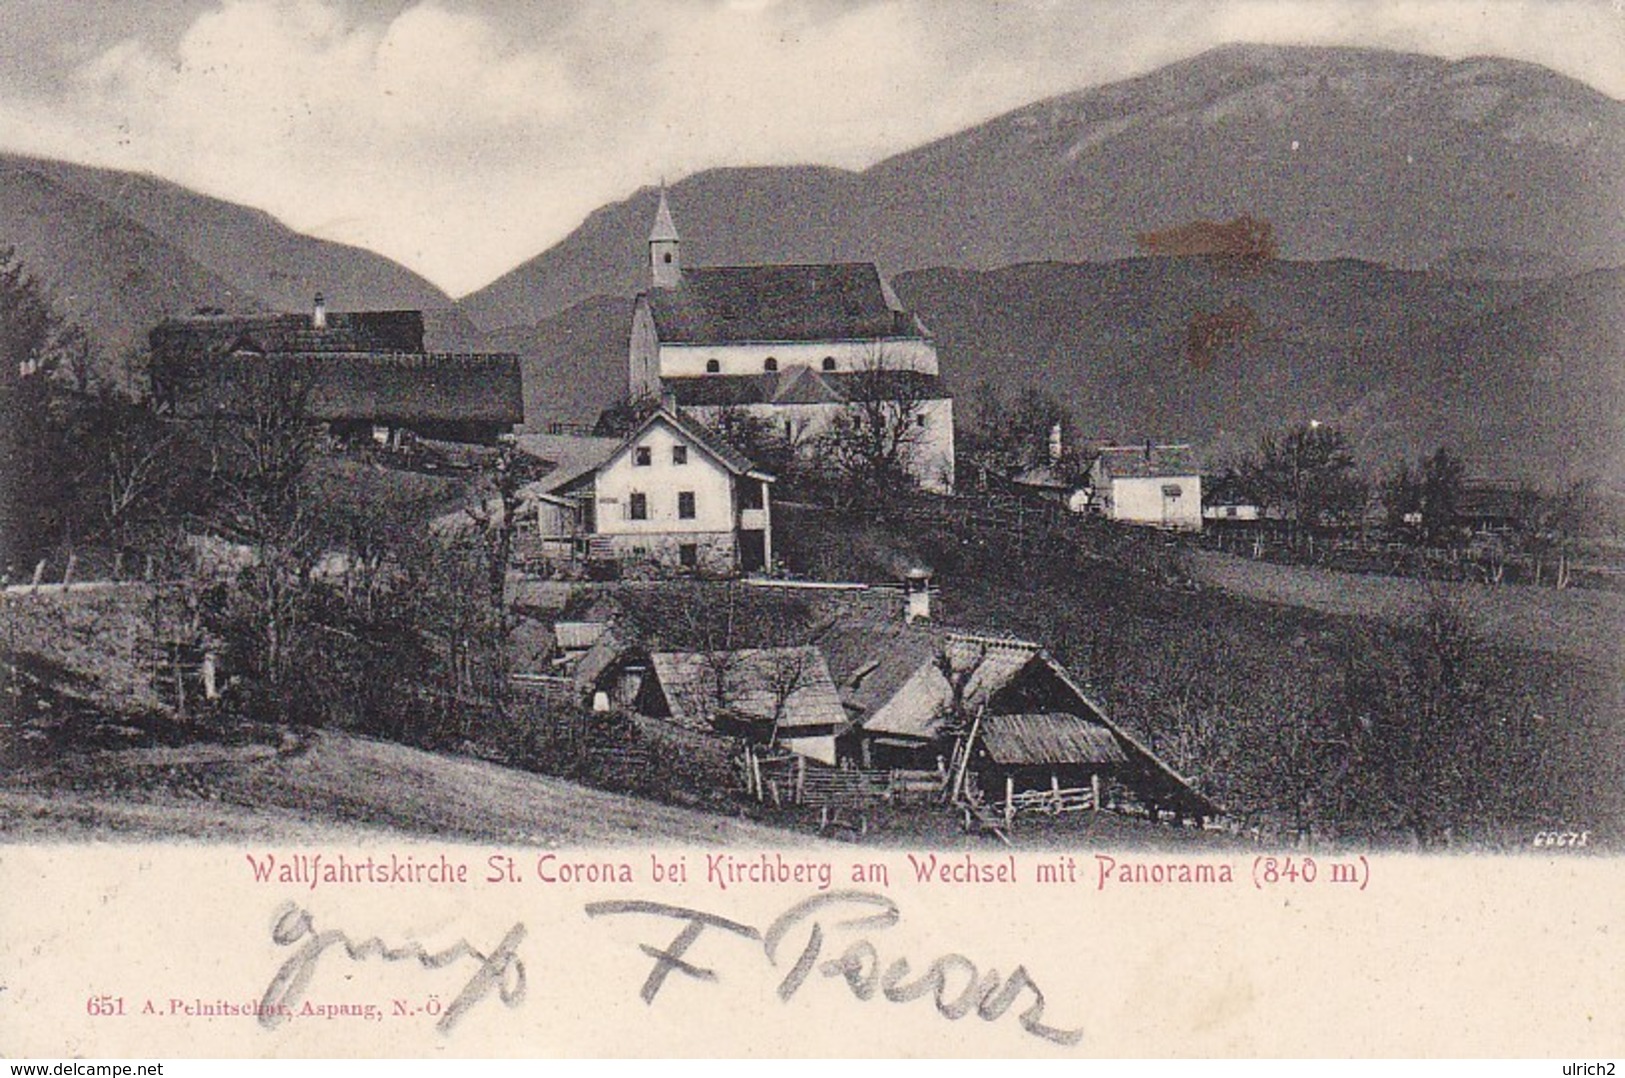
x=1147 y=462
x=1049 y=738
x=401 y=387
x=801 y=385
x=731 y=304
x=346 y=331
x=690 y=683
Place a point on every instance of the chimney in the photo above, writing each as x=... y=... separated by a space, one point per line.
x=917 y=595
x=1055 y=446
x=318 y=313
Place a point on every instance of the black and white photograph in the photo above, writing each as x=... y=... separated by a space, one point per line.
x=858 y=444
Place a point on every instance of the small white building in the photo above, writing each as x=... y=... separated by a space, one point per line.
x=1151 y=484
x=670 y=493
x=796 y=345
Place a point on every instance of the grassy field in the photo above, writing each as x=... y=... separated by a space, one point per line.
x=1584 y=624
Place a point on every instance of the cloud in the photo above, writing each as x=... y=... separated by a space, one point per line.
x=462 y=138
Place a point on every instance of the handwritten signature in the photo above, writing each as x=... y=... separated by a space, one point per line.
x=293 y=925
x=795 y=942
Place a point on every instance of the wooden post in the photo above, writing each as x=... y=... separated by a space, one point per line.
x=1009 y=799
x=39 y=573
x=801 y=778
x=67 y=574
x=1094 y=789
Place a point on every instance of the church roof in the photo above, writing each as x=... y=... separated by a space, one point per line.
x=665 y=229
x=801 y=385
x=736 y=304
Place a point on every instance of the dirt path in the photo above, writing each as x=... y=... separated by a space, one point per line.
x=1584 y=624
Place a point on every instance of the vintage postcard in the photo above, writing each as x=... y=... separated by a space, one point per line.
x=841 y=528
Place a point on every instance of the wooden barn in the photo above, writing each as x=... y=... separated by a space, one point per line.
x=1000 y=712
x=365 y=375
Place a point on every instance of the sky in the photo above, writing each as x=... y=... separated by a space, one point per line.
x=462 y=137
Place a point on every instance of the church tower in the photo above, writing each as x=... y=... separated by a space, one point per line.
x=665 y=261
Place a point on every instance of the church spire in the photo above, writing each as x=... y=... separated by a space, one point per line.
x=664 y=264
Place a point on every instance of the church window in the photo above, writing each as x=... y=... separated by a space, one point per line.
x=829 y=363
x=771 y=364
x=712 y=366
x=666 y=258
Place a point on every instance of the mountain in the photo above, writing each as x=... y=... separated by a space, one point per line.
x=119 y=250
x=574 y=363
x=1390 y=158
x=110 y=275
x=1522 y=378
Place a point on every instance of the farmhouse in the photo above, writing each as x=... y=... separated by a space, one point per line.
x=364 y=374
x=669 y=493
x=796 y=345
x=1150 y=484
x=1003 y=709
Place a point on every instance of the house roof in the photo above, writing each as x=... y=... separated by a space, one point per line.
x=578 y=635
x=689 y=681
x=734 y=304
x=1147 y=461
x=800 y=384
x=396 y=386
x=202 y=336
x=572 y=457
x=1049 y=738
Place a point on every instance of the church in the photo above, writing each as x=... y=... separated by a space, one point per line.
x=793 y=344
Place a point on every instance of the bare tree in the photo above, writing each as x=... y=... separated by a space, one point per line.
x=874 y=443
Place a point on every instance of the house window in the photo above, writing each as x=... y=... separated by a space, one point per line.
x=679 y=454
x=770 y=364
x=919 y=420
x=1171 y=490
x=750 y=494
x=637 y=507
x=712 y=366
x=642 y=456
x=685 y=505
x=829 y=363
x=688 y=555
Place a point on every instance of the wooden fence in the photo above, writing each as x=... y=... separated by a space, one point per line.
x=788 y=778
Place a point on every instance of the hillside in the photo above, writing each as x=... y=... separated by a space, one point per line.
x=1522 y=378
x=574 y=363
x=1403 y=361
x=1486 y=166
x=121 y=250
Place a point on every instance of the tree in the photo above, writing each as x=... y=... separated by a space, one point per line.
x=1307 y=475
x=1012 y=437
x=873 y=444
x=44 y=361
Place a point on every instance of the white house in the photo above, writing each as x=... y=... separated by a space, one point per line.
x=1148 y=484
x=795 y=344
x=671 y=493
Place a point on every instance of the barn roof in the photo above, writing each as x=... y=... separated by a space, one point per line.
x=735 y=304
x=1049 y=738
x=346 y=331
x=386 y=386
x=799 y=384
x=689 y=681
x=1147 y=461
